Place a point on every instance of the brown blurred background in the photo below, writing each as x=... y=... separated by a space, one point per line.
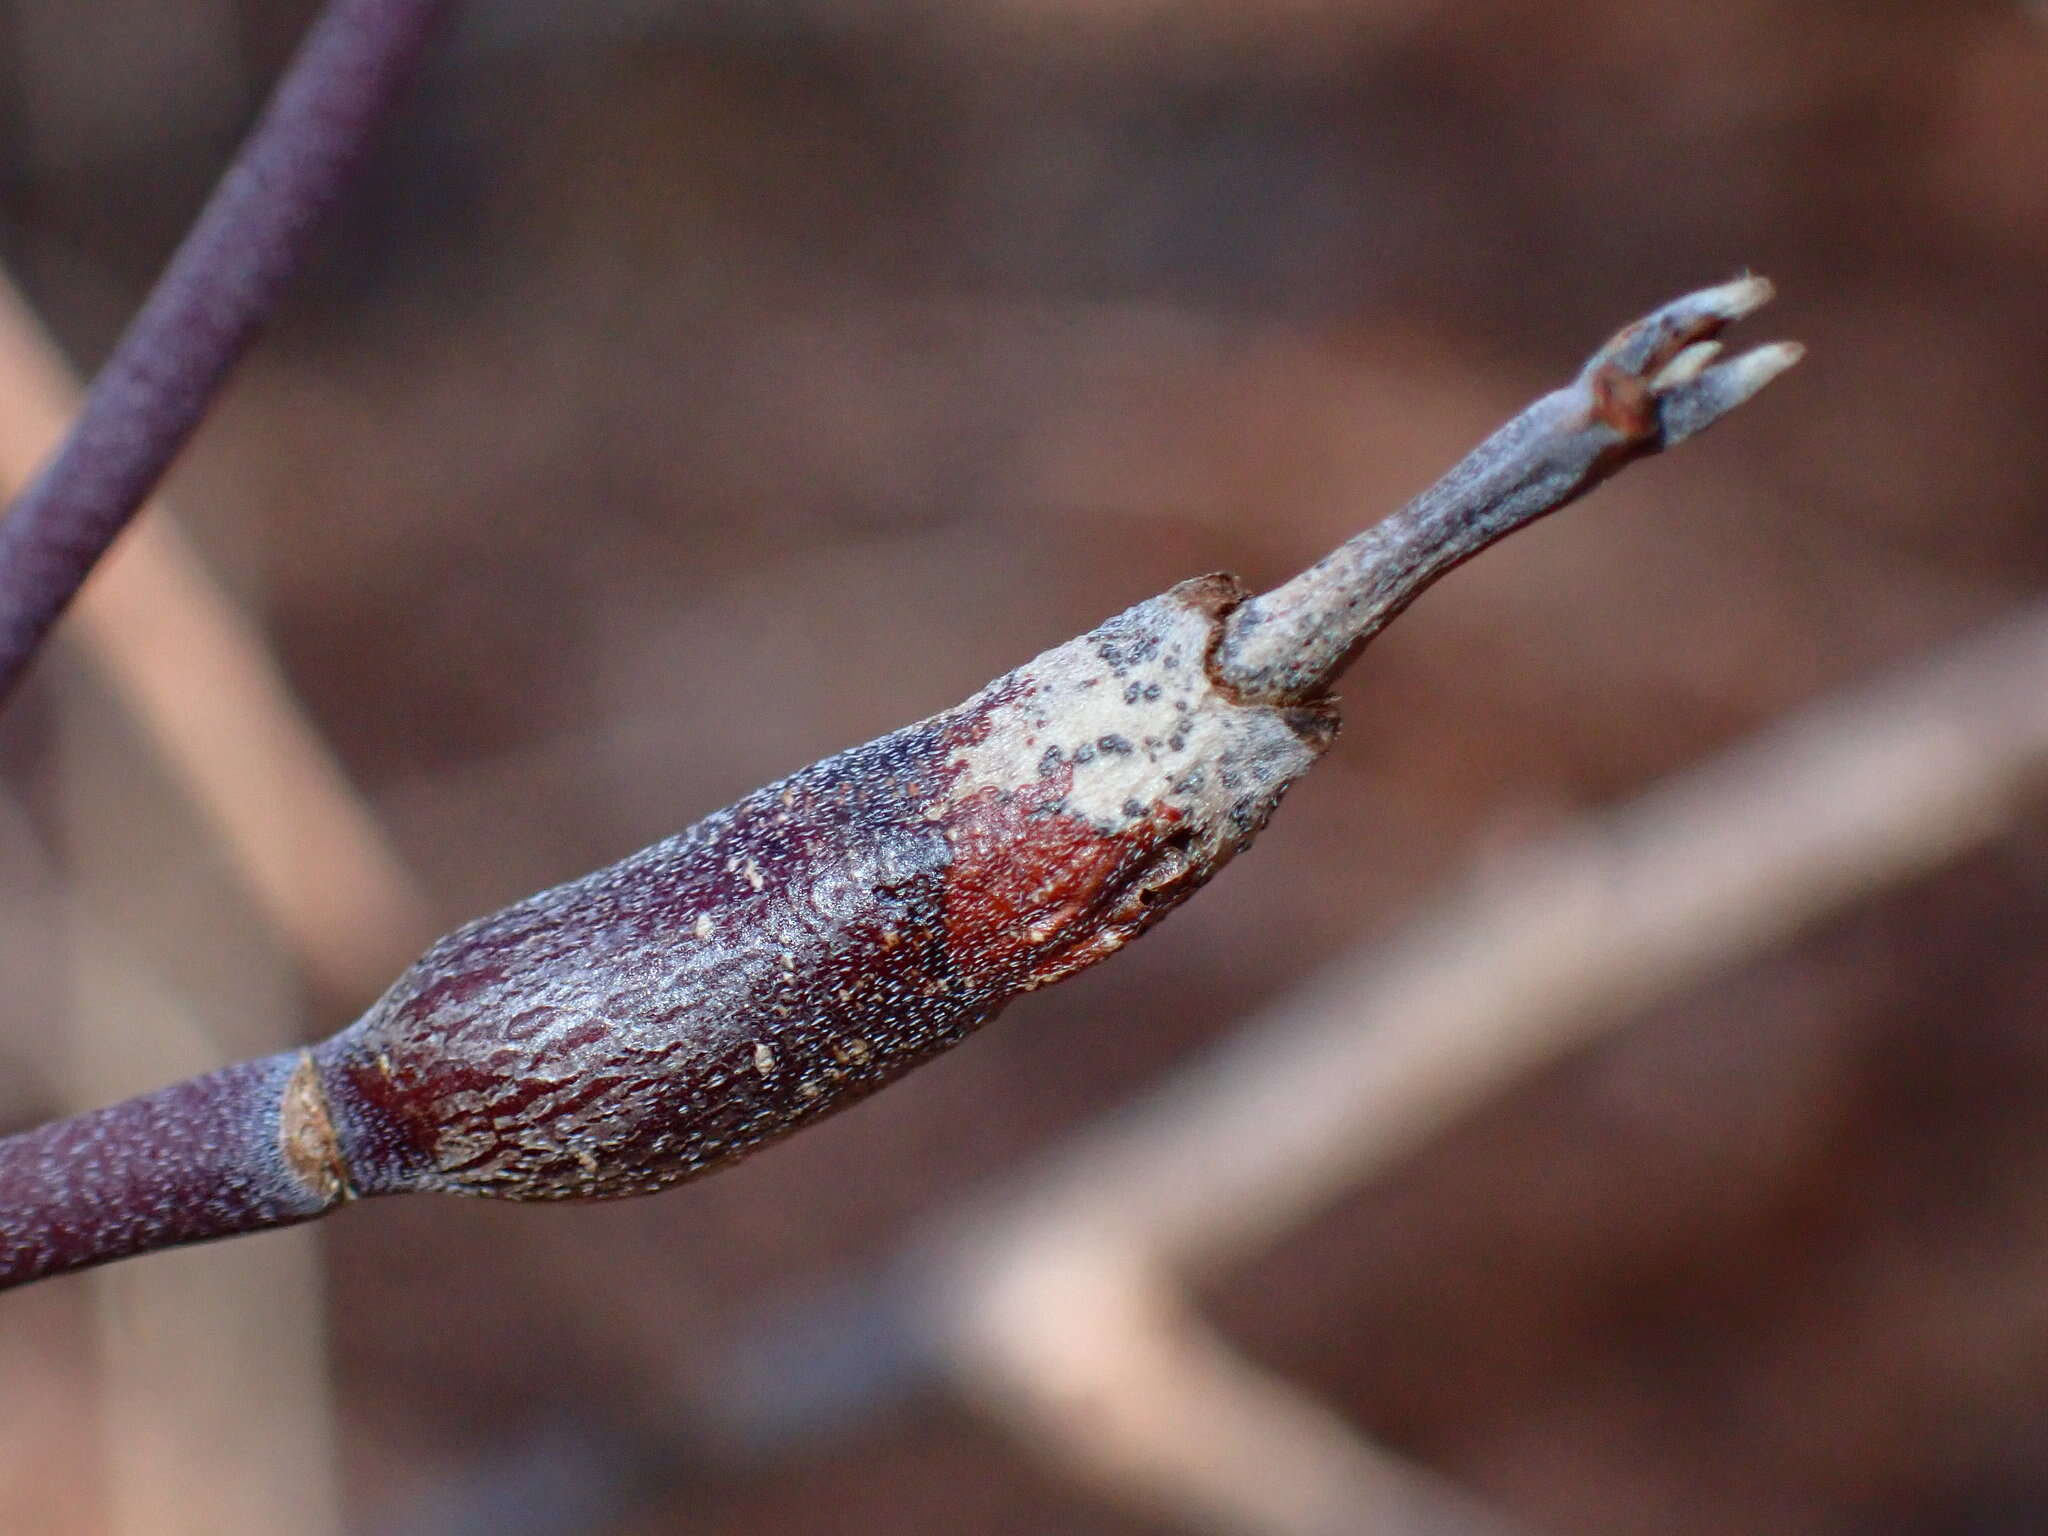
x=696 y=389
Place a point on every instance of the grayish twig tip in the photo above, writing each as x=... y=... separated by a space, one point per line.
x=1657 y=382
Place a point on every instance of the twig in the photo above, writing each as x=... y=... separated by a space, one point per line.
x=203 y=1348
x=215 y=294
x=1362 y=1065
x=1655 y=384
x=799 y=950
x=1858 y=794
x=187 y=661
x=1098 y=1360
x=1347 y=1075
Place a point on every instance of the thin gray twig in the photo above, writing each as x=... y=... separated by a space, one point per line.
x=1655 y=384
x=809 y=944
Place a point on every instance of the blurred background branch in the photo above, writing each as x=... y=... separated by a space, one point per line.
x=187 y=660
x=1558 y=942
x=1099 y=1363
x=1344 y=1077
x=1050 y=1301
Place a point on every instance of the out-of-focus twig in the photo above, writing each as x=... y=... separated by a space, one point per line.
x=1014 y=1295
x=1853 y=796
x=213 y=297
x=187 y=661
x=1098 y=1359
x=205 y=1350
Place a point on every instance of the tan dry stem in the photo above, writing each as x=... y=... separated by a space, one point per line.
x=1098 y=1358
x=199 y=678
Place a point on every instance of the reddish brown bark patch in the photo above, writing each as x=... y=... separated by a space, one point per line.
x=1024 y=882
x=1622 y=400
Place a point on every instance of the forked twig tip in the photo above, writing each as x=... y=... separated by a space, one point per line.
x=1655 y=383
x=1704 y=400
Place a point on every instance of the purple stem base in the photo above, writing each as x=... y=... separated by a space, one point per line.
x=200 y=1159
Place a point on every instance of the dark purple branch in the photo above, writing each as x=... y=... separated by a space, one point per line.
x=210 y=1157
x=808 y=945
x=220 y=286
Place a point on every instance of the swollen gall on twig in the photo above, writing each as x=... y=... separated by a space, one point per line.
x=791 y=954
